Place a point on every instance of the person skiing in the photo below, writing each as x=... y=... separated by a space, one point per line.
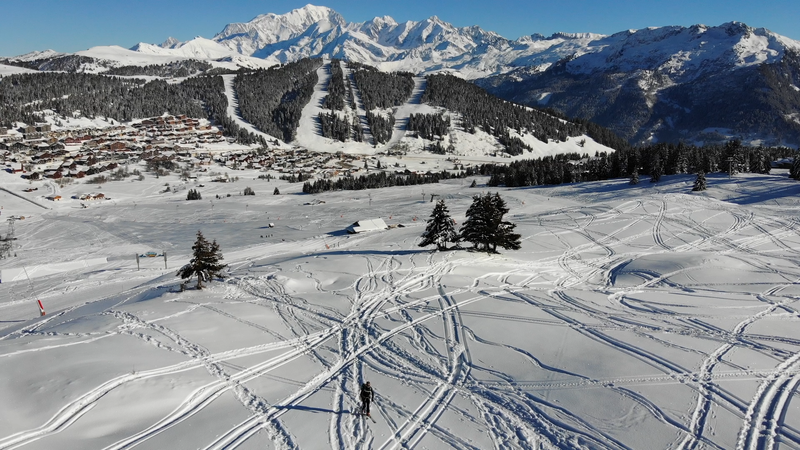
x=367 y=395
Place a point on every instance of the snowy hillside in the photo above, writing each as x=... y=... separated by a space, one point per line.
x=633 y=317
x=660 y=84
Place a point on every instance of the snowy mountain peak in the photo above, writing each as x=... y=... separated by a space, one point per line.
x=247 y=38
x=37 y=55
x=171 y=42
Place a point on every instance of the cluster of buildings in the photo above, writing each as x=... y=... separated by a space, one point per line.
x=40 y=152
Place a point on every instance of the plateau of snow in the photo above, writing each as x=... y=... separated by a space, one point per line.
x=639 y=316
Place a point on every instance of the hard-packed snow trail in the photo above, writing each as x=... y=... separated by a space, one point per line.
x=402 y=112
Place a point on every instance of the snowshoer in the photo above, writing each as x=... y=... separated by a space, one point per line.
x=367 y=395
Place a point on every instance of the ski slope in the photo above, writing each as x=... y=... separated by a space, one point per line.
x=633 y=317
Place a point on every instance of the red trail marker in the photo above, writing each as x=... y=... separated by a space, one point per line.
x=41 y=308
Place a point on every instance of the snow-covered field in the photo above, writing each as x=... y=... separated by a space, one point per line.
x=633 y=317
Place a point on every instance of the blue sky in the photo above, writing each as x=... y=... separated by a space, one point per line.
x=73 y=25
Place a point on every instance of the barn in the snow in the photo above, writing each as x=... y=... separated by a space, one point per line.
x=367 y=225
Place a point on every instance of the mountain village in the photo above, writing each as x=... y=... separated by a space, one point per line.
x=38 y=152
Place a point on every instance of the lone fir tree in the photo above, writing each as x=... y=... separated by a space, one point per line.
x=634 y=177
x=205 y=262
x=485 y=226
x=441 y=228
x=700 y=182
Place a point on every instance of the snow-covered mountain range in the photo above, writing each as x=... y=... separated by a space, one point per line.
x=659 y=75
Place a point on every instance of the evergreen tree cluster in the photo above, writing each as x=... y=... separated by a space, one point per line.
x=180 y=68
x=334 y=127
x=485 y=227
x=493 y=115
x=439 y=148
x=381 y=89
x=93 y=95
x=377 y=180
x=193 y=194
x=655 y=160
x=381 y=127
x=429 y=126
x=273 y=99
x=336 y=88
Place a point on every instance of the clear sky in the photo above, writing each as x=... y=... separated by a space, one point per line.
x=73 y=25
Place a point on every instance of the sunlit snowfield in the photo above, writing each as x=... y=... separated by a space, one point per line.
x=633 y=317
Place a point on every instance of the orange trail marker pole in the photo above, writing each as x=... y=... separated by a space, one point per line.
x=41 y=308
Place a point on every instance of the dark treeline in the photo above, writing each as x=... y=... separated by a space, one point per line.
x=378 y=180
x=62 y=63
x=496 y=116
x=381 y=89
x=21 y=96
x=381 y=127
x=429 y=126
x=273 y=99
x=336 y=89
x=92 y=95
x=211 y=89
x=655 y=161
x=182 y=68
x=334 y=127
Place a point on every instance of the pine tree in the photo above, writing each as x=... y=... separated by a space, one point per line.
x=794 y=170
x=634 y=177
x=656 y=171
x=485 y=226
x=700 y=182
x=504 y=235
x=441 y=228
x=474 y=184
x=205 y=262
x=276 y=191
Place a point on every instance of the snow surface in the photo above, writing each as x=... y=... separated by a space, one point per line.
x=11 y=70
x=639 y=316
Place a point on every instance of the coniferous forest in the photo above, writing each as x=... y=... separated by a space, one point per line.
x=429 y=126
x=379 y=180
x=654 y=160
x=273 y=99
x=334 y=127
x=336 y=88
x=98 y=95
x=381 y=90
x=495 y=116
